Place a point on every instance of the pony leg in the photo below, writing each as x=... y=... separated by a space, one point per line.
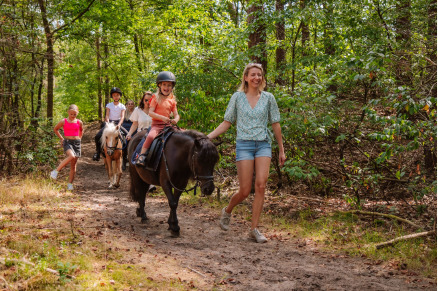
x=110 y=172
x=173 y=200
x=117 y=172
x=108 y=169
x=138 y=191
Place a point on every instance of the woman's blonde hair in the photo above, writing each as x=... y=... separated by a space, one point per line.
x=244 y=85
x=73 y=107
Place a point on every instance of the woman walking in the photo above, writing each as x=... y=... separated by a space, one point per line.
x=251 y=109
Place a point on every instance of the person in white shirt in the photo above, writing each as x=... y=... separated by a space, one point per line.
x=141 y=120
x=140 y=117
x=115 y=113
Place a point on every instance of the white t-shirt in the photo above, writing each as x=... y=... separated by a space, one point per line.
x=143 y=119
x=115 y=111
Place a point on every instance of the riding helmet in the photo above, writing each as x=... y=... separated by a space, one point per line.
x=115 y=90
x=166 y=77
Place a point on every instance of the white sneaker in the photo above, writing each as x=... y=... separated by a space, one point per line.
x=225 y=219
x=54 y=174
x=69 y=186
x=257 y=236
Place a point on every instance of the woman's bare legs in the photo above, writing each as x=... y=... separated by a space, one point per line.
x=245 y=172
x=262 y=172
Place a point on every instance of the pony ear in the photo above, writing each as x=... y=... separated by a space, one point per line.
x=117 y=127
x=218 y=143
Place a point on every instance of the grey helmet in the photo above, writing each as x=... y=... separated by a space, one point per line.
x=166 y=77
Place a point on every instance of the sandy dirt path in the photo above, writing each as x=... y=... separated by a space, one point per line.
x=209 y=258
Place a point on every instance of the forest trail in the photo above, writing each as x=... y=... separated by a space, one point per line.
x=206 y=257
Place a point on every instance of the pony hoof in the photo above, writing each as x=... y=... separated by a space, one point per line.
x=174 y=233
x=116 y=186
x=138 y=212
x=110 y=186
x=144 y=220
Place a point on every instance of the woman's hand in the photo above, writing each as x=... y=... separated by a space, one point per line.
x=128 y=137
x=281 y=158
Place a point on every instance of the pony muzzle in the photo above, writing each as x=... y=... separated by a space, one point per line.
x=207 y=187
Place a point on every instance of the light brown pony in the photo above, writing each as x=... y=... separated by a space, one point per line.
x=112 y=147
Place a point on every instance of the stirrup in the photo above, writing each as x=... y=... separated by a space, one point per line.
x=141 y=160
x=96 y=157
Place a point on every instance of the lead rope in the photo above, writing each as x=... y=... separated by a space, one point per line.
x=168 y=176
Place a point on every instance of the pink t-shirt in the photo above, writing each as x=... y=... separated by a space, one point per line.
x=71 y=129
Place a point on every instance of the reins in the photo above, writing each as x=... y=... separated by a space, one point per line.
x=192 y=168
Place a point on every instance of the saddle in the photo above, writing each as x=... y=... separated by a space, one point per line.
x=153 y=155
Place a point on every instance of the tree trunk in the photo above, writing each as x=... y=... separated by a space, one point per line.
x=329 y=30
x=50 y=60
x=99 y=78
x=107 y=89
x=293 y=54
x=280 y=52
x=305 y=32
x=39 y=97
x=403 y=74
x=137 y=52
x=257 y=36
x=431 y=41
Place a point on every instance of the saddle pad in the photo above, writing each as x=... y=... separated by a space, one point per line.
x=156 y=149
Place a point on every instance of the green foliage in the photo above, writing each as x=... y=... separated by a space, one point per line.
x=64 y=270
x=357 y=101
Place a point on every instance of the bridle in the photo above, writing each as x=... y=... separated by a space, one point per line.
x=200 y=180
x=114 y=148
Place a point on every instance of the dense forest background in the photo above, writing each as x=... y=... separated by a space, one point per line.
x=355 y=80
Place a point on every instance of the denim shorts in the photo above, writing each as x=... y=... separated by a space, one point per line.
x=251 y=149
x=74 y=145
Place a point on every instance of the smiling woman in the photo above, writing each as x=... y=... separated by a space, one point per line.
x=251 y=109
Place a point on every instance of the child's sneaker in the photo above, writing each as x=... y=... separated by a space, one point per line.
x=54 y=174
x=69 y=186
x=257 y=236
x=225 y=219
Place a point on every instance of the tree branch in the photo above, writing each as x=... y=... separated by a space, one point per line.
x=382 y=214
x=405 y=237
x=76 y=18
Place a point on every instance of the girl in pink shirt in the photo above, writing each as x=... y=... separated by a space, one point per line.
x=71 y=142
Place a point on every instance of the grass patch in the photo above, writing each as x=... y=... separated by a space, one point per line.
x=41 y=250
x=356 y=236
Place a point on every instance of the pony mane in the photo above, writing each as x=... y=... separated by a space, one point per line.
x=110 y=130
x=207 y=151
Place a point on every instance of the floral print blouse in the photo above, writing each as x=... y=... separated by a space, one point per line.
x=251 y=122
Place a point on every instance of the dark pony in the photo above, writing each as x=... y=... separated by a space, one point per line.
x=186 y=155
